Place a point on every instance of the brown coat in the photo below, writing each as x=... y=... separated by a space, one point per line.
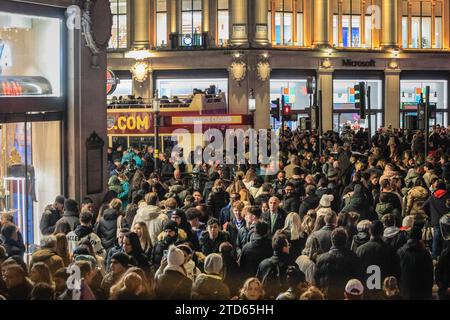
x=49 y=257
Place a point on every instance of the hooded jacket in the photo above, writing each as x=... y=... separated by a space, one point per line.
x=48 y=220
x=385 y=208
x=395 y=237
x=153 y=218
x=84 y=232
x=173 y=285
x=49 y=257
x=360 y=204
x=210 y=287
x=436 y=207
x=415 y=199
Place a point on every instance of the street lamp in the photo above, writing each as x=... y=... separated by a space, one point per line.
x=156 y=107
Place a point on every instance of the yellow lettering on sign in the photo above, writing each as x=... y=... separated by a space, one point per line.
x=121 y=123
x=142 y=123
x=131 y=123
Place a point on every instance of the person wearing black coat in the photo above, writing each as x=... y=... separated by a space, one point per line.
x=217 y=199
x=336 y=267
x=291 y=202
x=18 y=287
x=360 y=204
x=209 y=184
x=378 y=253
x=272 y=271
x=210 y=285
x=11 y=241
x=392 y=235
x=416 y=268
x=255 y=251
x=443 y=272
x=170 y=237
x=435 y=207
x=212 y=238
x=275 y=217
x=172 y=283
x=51 y=216
x=106 y=228
x=311 y=201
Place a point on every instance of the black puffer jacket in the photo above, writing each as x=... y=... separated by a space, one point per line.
x=435 y=206
x=291 y=204
x=253 y=253
x=49 y=219
x=107 y=228
x=334 y=269
x=209 y=245
x=272 y=274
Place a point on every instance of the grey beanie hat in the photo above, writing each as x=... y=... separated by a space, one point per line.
x=213 y=263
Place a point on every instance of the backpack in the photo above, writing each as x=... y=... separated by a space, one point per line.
x=272 y=280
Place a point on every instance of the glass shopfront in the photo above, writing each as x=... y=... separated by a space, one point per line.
x=32 y=104
x=411 y=92
x=344 y=111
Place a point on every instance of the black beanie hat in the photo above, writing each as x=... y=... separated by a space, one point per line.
x=171 y=225
x=121 y=258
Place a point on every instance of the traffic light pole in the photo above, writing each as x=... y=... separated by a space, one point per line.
x=427 y=121
x=319 y=120
x=368 y=111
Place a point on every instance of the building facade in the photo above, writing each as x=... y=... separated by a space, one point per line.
x=52 y=113
x=259 y=47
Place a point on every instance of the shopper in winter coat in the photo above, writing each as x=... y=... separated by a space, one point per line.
x=125 y=194
x=11 y=242
x=85 y=231
x=107 y=226
x=217 y=198
x=336 y=267
x=212 y=238
x=272 y=271
x=416 y=267
x=71 y=213
x=152 y=216
x=132 y=247
x=362 y=236
x=173 y=284
x=309 y=202
x=378 y=253
x=255 y=251
x=51 y=215
x=170 y=235
x=323 y=235
x=392 y=235
x=360 y=204
x=443 y=263
x=210 y=285
x=290 y=201
x=47 y=254
x=385 y=207
x=436 y=207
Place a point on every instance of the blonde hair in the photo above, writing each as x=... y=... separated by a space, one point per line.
x=308 y=224
x=250 y=175
x=246 y=195
x=293 y=223
x=238 y=205
x=115 y=204
x=390 y=286
x=312 y=293
x=246 y=286
x=145 y=240
x=129 y=283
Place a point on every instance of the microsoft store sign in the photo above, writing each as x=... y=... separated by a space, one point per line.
x=353 y=63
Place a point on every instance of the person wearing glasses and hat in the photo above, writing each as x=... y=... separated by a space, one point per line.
x=120 y=262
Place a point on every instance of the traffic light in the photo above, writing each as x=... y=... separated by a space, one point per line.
x=286 y=110
x=275 y=109
x=360 y=98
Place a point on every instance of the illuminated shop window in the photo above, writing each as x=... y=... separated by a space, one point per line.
x=191 y=22
x=161 y=23
x=119 y=39
x=422 y=23
x=286 y=17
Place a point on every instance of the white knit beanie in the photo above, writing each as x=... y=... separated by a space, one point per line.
x=326 y=200
x=175 y=257
x=213 y=263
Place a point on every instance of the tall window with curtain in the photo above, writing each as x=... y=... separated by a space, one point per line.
x=222 y=22
x=286 y=19
x=119 y=39
x=352 y=23
x=161 y=23
x=422 y=24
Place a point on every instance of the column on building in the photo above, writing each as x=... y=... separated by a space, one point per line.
x=205 y=19
x=261 y=9
x=173 y=16
x=239 y=22
x=392 y=98
x=325 y=83
x=140 y=13
x=389 y=25
x=321 y=35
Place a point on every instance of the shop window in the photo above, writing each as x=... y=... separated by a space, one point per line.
x=297 y=92
x=30 y=172
x=411 y=93
x=223 y=22
x=352 y=25
x=344 y=111
x=191 y=22
x=119 y=37
x=286 y=17
x=30 y=55
x=185 y=87
x=161 y=23
x=422 y=24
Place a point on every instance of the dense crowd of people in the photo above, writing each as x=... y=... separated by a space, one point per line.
x=352 y=218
